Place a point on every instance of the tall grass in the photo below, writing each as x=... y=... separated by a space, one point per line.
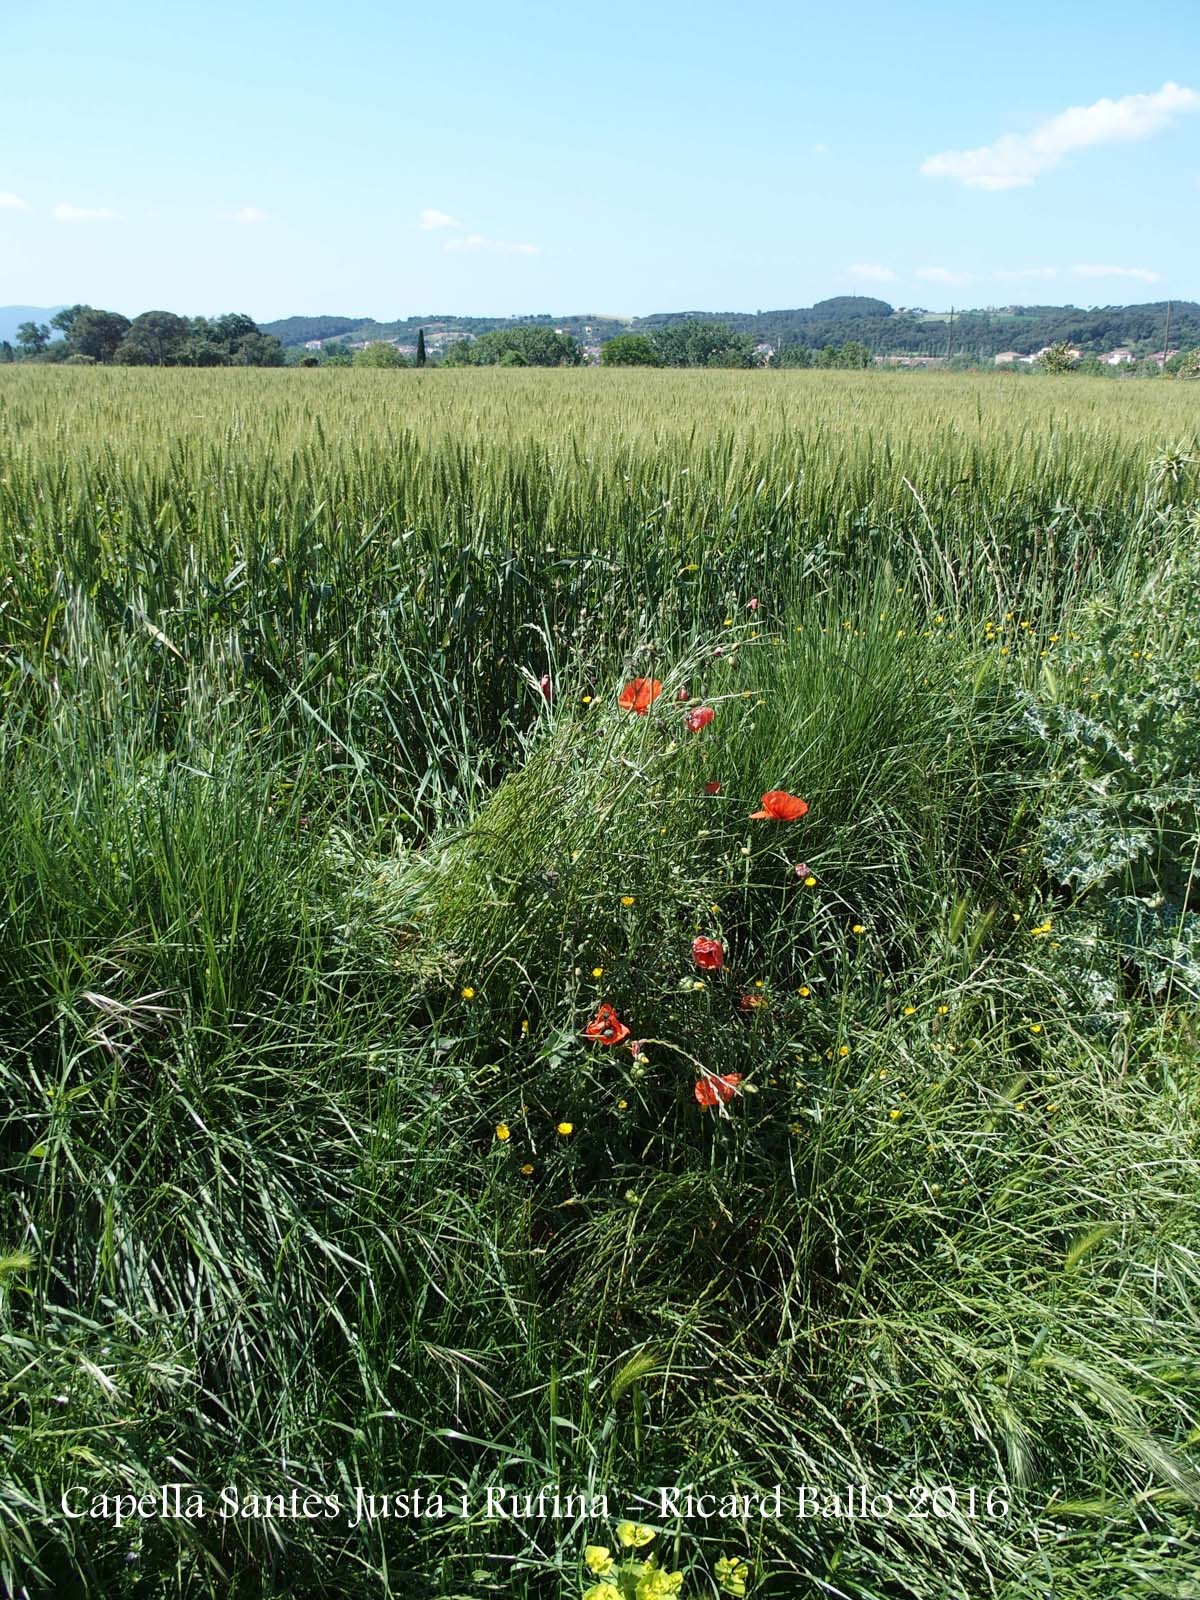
x=305 y=891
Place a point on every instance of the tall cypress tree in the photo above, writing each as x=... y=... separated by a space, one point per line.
x=420 y=347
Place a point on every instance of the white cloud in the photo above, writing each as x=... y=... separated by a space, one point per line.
x=430 y=219
x=1016 y=159
x=943 y=275
x=12 y=202
x=64 y=212
x=872 y=272
x=249 y=215
x=480 y=241
x=1030 y=272
x=1143 y=274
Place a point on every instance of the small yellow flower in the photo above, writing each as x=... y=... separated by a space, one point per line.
x=1052 y=1106
x=758 y=983
x=633 y=1535
x=1020 y=1106
x=804 y=991
x=844 y=1050
x=527 y=1170
x=810 y=882
x=565 y=1129
x=858 y=928
x=525 y=1025
x=895 y=1115
x=626 y=899
x=587 y=699
x=597 y=1559
x=883 y=1072
x=729 y=622
x=503 y=1132
x=597 y=972
x=468 y=993
x=943 y=1011
x=1035 y=1027
x=622 y=1105
x=910 y=1011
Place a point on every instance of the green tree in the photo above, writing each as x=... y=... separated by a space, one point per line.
x=630 y=350
x=696 y=342
x=1057 y=358
x=6 y=351
x=537 y=347
x=32 y=338
x=459 y=354
x=155 y=339
x=853 y=354
x=64 y=320
x=793 y=355
x=96 y=333
x=379 y=354
x=420 y=347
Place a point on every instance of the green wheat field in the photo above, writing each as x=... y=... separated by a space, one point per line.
x=324 y=836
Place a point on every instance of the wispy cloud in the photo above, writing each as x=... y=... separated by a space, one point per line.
x=12 y=202
x=1016 y=159
x=1143 y=274
x=943 y=275
x=249 y=215
x=64 y=212
x=480 y=241
x=1030 y=272
x=429 y=220
x=872 y=272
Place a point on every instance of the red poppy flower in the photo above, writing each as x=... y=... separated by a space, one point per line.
x=712 y=787
x=711 y=1091
x=801 y=869
x=606 y=1027
x=780 y=806
x=708 y=954
x=753 y=1002
x=700 y=718
x=683 y=697
x=639 y=694
x=547 y=688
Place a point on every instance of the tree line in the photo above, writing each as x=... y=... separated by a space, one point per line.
x=92 y=337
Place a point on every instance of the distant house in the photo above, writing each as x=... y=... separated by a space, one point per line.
x=1161 y=357
x=1121 y=357
x=1006 y=358
x=313 y=344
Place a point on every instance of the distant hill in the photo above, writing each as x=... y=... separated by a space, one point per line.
x=11 y=318
x=979 y=333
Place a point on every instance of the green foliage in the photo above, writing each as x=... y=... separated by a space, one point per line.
x=380 y=354
x=696 y=343
x=630 y=350
x=1058 y=358
x=32 y=338
x=524 y=346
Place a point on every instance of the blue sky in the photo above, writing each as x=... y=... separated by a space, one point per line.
x=388 y=160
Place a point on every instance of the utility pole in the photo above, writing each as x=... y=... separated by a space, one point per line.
x=949 y=333
x=1166 y=340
